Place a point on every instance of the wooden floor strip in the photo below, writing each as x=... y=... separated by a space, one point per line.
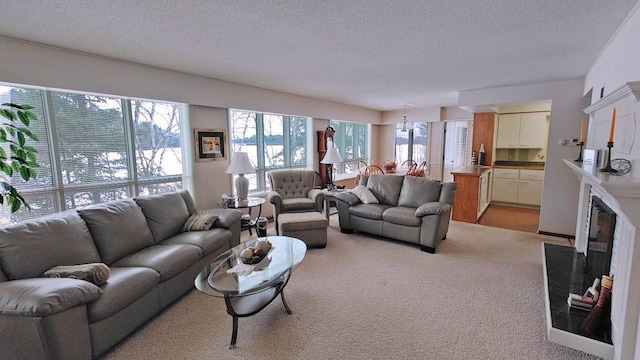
x=511 y=217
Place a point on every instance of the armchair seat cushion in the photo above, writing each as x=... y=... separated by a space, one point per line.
x=369 y=211
x=402 y=216
x=298 y=204
x=125 y=285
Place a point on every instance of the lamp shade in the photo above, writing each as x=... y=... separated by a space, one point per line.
x=240 y=164
x=332 y=156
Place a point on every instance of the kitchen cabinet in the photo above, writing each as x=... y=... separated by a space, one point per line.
x=530 y=187
x=505 y=190
x=473 y=193
x=520 y=186
x=522 y=131
x=484 y=192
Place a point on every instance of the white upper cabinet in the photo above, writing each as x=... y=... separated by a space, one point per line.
x=533 y=130
x=508 y=131
x=526 y=131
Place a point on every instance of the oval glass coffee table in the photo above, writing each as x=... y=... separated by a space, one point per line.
x=247 y=289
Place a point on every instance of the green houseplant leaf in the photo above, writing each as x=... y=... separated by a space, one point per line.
x=22 y=160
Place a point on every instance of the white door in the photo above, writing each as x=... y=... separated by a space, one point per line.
x=457 y=143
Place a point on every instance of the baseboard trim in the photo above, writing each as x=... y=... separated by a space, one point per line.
x=570 y=237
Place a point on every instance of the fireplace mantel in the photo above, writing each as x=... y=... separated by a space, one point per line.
x=616 y=186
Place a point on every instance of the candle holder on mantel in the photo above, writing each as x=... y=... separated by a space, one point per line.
x=579 y=159
x=608 y=168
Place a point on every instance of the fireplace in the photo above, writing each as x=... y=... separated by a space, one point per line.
x=602 y=224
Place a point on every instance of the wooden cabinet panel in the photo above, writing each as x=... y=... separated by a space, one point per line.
x=472 y=194
x=524 y=131
x=508 y=131
x=533 y=130
x=530 y=192
x=505 y=190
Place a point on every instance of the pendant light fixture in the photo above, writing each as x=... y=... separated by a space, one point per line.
x=404 y=125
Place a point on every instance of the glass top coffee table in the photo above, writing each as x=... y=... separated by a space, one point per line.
x=247 y=289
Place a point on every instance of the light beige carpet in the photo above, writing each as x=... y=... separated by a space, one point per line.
x=479 y=297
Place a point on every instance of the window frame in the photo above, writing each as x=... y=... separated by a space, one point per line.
x=340 y=136
x=57 y=191
x=411 y=144
x=262 y=185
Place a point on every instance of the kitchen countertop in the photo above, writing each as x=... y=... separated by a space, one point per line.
x=473 y=170
x=530 y=165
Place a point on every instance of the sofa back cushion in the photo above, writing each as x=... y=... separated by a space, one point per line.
x=292 y=183
x=165 y=213
x=119 y=228
x=448 y=192
x=386 y=188
x=188 y=200
x=32 y=247
x=417 y=191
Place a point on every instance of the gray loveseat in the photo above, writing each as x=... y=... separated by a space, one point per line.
x=411 y=209
x=151 y=262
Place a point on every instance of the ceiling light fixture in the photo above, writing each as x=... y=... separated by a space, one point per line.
x=404 y=125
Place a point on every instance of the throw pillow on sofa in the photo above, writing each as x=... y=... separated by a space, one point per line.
x=199 y=221
x=365 y=195
x=97 y=273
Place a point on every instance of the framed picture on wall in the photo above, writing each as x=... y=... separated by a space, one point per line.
x=210 y=144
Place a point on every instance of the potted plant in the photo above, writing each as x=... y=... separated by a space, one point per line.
x=21 y=159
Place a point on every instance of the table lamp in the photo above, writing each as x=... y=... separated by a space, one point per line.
x=332 y=157
x=240 y=165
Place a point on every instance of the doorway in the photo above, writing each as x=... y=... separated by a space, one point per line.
x=457 y=147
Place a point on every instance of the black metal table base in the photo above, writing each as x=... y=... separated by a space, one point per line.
x=249 y=305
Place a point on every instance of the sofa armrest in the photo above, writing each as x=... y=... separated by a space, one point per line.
x=347 y=197
x=39 y=297
x=276 y=199
x=432 y=208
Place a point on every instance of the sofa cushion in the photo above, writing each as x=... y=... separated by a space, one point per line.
x=30 y=248
x=118 y=228
x=188 y=201
x=125 y=285
x=365 y=195
x=368 y=211
x=386 y=188
x=402 y=216
x=42 y=297
x=165 y=213
x=417 y=191
x=209 y=241
x=167 y=260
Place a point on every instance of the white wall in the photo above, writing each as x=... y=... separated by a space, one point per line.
x=208 y=177
x=46 y=66
x=619 y=61
x=560 y=194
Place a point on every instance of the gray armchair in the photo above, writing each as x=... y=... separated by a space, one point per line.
x=293 y=190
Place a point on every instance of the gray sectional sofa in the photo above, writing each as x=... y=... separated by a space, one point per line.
x=151 y=262
x=408 y=208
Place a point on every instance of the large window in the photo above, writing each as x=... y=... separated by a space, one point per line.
x=272 y=142
x=352 y=140
x=412 y=144
x=95 y=149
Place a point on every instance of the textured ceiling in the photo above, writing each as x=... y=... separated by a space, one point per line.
x=373 y=54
